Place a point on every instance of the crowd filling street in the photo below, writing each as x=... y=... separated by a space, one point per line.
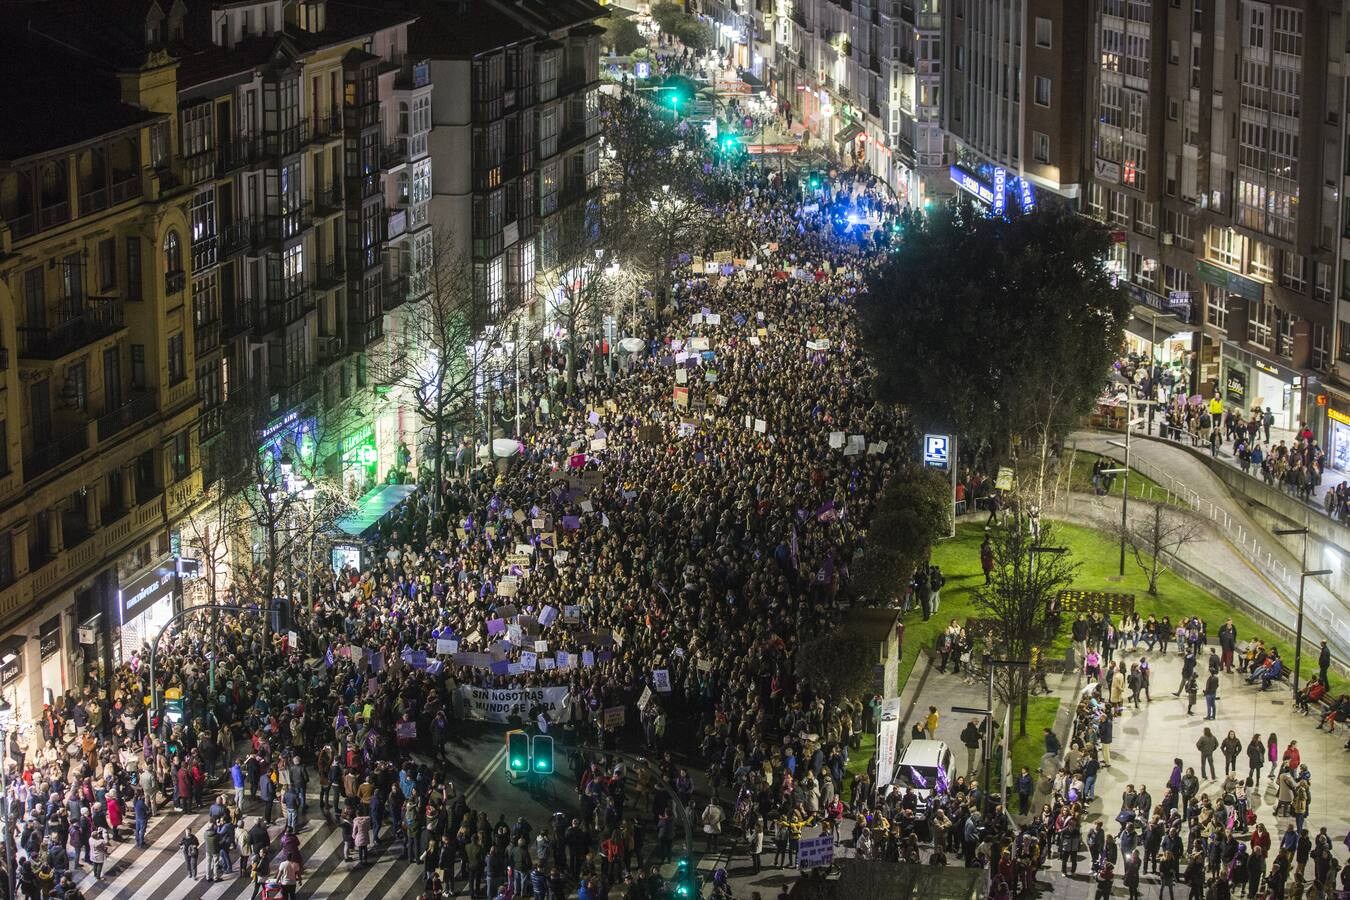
x=667 y=536
x=676 y=526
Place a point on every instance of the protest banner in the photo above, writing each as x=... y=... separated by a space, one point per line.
x=498 y=704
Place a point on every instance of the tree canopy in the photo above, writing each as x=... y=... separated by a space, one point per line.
x=997 y=329
x=622 y=35
x=914 y=513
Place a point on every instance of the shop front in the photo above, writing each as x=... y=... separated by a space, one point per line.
x=145 y=604
x=1157 y=329
x=359 y=459
x=1250 y=381
x=1338 y=440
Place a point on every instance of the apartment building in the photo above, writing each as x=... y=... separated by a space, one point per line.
x=863 y=77
x=1013 y=98
x=515 y=133
x=99 y=445
x=248 y=217
x=1218 y=157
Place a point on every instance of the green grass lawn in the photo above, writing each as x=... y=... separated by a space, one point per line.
x=859 y=759
x=1098 y=559
x=1028 y=749
x=1080 y=478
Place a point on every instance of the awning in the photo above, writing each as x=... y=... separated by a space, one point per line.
x=1141 y=324
x=12 y=645
x=848 y=133
x=756 y=86
x=373 y=507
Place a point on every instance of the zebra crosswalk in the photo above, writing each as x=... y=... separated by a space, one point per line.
x=158 y=871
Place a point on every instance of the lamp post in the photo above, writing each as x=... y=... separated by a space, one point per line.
x=990 y=663
x=1303 y=575
x=1153 y=360
x=1124 y=471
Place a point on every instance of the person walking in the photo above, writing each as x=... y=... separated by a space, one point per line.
x=191 y=847
x=712 y=824
x=98 y=851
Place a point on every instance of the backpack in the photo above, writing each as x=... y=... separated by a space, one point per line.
x=1316 y=691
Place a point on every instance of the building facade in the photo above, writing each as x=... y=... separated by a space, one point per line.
x=1013 y=107
x=1217 y=158
x=207 y=251
x=863 y=78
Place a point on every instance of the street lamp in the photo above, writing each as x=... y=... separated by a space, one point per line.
x=1124 y=472
x=1303 y=576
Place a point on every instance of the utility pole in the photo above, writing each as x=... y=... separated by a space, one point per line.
x=1303 y=576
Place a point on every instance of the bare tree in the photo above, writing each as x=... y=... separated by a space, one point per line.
x=1025 y=579
x=431 y=364
x=1160 y=533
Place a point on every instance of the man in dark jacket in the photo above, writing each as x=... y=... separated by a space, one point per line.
x=971 y=736
x=1228 y=643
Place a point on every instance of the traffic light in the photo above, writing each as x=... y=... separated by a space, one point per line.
x=730 y=143
x=813 y=181
x=517 y=751
x=541 y=747
x=685 y=882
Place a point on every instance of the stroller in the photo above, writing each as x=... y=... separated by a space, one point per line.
x=272 y=890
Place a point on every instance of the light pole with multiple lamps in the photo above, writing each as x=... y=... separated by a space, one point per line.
x=1303 y=575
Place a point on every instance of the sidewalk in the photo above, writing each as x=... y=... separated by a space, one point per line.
x=1239 y=554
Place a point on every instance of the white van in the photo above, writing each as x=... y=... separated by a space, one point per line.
x=924 y=767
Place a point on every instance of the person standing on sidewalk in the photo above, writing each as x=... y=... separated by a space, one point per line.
x=972 y=736
x=1256 y=759
x=1207 y=744
x=930 y=723
x=1228 y=644
x=1324 y=664
x=1211 y=696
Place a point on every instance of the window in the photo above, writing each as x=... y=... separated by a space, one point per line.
x=7 y=558
x=1096 y=201
x=1259 y=323
x=1321 y=346
x=1040 y=147
x=1120 y=208
x=173 y=253
x=182 y=456
x=77 y=386
x=1146 y=220
x=1044 y=31
x=196 y=129
x=107 y=264
x=159 y=145
x=1294 y=271
x=1216 y=307
x=1322 y=287
x=4 y=447
x=1262 y=262
x=1042 y=91
x=1173 y=109
x=133 y=268
x=1224 y=245
x=1173 y=53
x=177 y=364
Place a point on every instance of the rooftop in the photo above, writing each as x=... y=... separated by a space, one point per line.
x=34 y=72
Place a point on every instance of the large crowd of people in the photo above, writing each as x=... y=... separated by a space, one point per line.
x=691 y=514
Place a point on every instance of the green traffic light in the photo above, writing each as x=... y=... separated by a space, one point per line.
x=518 y=751
x=542 y=751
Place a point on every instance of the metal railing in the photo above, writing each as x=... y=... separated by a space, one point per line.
x=93 y=318
x=48 y=456
x=138 y=407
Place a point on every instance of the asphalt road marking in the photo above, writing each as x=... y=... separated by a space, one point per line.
x=492 y=764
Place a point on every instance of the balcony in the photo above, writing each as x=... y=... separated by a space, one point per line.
x=359 y=187
x=328 y=199
x=286 y=305
x=199 y=167
x=300 y=390
x=395 y=292
x=138 y=408
x=236 y=154
x=53 y=453
x=93 y=201
x=398 y=223
x=174 y=282
x=285 y=141
x=206 y=337
x=205 y=252
x=279 y=226
x=361 y=115
x=95 y=318
x=330 y=274
x=53 y=215
x=394 y=155
x=328 y=127
x=237 y=237
x=330 y=348
x=124 y=189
